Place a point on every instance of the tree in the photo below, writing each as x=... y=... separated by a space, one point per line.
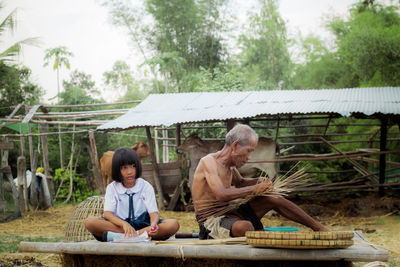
x=369 y=43
x=185 y=32
x=120 y=79
x=60 y=55
x=264 y=48
x=16 y=87
x=80 y=89
x=9 y=23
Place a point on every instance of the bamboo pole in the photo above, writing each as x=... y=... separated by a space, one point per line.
x=90 y=105
x=61 y=147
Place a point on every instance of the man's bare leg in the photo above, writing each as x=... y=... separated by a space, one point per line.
x=286 y=208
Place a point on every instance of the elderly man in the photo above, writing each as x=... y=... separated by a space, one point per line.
x=212 y=190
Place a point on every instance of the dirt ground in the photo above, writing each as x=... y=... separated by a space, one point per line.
x=378 y=218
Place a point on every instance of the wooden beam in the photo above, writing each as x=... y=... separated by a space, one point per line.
x=178 y=139
x=30 y=137
x=382 y=157
x=22 y=186
x=230 y=124
x=45 y=151
x=22 y=140
x=390 y=163
x=357 y=166
x=30 y=114
x=156 y=170
x=61 y=147
x=96 y=164
x=6 y=145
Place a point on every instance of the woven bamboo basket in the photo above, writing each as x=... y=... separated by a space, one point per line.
x=75 y=230
x=300 y=240
x=339 y=235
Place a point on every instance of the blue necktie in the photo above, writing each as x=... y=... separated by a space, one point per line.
x=131 y=215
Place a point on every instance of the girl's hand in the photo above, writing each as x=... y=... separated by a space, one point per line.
x=129 y=230
x=153 y=230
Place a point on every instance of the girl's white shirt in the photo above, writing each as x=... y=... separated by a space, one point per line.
x=117 y=201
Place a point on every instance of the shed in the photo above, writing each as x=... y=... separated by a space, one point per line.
x=381 y=103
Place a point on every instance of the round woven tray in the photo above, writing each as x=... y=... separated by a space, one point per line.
x=299 y=244
x=75 y=230
x=300 y=235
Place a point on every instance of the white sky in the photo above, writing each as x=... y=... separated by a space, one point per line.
x=82 y=26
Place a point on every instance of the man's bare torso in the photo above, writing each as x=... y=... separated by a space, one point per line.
x=201 y=191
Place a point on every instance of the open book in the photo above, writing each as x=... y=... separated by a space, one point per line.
x=144 y=237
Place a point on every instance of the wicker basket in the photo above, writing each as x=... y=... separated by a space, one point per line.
x=75 y=230
x=300 y=240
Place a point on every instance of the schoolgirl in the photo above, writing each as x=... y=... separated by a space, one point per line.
x=130 y=206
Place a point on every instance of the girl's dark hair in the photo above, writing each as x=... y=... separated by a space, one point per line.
x=123 y=156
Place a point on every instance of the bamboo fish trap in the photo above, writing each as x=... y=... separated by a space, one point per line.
x=75 y=230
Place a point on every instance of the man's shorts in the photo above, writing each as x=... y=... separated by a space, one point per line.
x=243 y=212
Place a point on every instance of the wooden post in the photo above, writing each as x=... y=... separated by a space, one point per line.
x=43 y=129
x=61 y=147
x=156 y=170
x=178 y=139
x=277 y=129
x=382 y=157
x=21 y=178
x=229 y=125
x=156 y=145
x=95 y=162
x=22 y=140
x=34 y=196
x=27 y=119
x=30 y=149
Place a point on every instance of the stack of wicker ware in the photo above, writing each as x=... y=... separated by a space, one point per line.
x=300 y=240
x=75 y=230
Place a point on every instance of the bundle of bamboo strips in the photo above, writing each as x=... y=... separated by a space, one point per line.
x=280 y=185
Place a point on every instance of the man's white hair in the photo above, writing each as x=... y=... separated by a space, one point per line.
x=241 y=132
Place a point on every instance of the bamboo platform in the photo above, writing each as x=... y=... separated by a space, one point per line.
x=360 y=251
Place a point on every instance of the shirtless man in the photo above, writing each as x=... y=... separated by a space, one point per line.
x=212 y=184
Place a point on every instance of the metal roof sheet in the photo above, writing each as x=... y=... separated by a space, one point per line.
x=169 y=109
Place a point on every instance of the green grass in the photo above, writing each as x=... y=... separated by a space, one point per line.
x=379 y=221
x=10 y=243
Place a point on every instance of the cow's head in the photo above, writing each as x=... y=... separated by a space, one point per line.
x=142 y=150
x=191 y=142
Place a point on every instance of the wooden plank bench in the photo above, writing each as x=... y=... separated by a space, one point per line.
x=360 y=251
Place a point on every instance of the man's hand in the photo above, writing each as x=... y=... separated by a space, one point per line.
x=264 y=186
x=129 y=230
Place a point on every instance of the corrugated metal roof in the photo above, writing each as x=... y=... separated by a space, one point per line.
x=169 y=109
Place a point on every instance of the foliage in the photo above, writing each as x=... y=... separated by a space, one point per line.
x=9 y=23
x=367 y=51
x=120 y=79
x=60 y=55
x=80 y=189
x=10 y=243
x=16 y=87
x=80 y=89
x=265 y=55
x=369 y=43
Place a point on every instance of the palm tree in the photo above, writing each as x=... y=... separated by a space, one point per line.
x=60 y=55
x=9 y=24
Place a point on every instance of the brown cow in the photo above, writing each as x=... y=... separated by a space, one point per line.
x=142 y=150
x=266 y=150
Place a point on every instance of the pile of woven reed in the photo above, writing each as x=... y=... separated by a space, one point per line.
x=280 y=186
x=300 y=240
